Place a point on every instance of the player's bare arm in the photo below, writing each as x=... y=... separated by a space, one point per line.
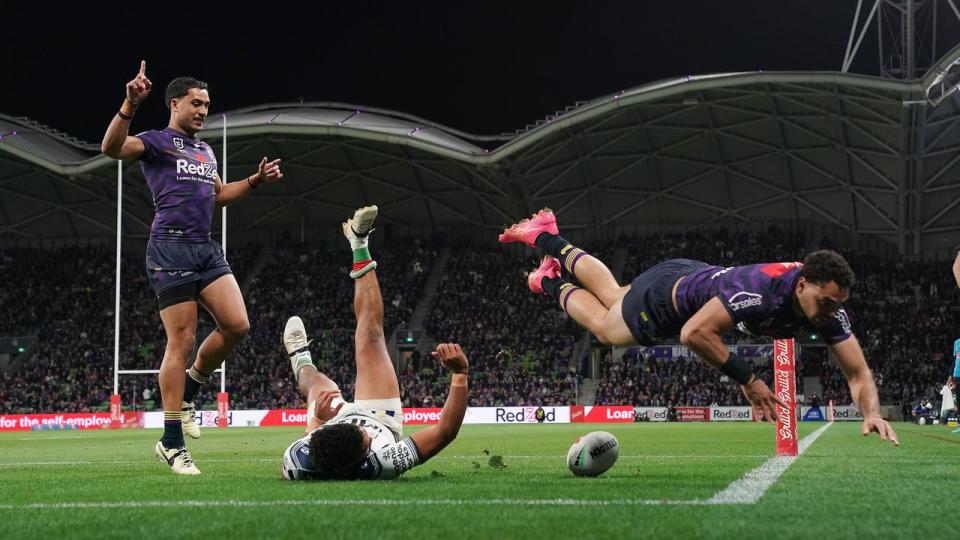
x=328 y=404
x=702 y=334
x=432 y=440
x=956 y=269
x=268 y=172
x=852 y=362
x=117 y=143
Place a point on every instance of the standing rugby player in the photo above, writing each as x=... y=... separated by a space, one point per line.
x=185 y=266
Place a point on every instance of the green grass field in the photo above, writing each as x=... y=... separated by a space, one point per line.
x=107 y=484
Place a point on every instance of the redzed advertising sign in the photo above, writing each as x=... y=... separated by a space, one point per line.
x=693 y=414
x=784 y=386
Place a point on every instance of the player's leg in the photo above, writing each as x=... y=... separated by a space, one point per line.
x=169 y=271
x=222 y=299
x=585 y=308
x=220 y=296
x=310 y=381
x=376 y=378
x=541 y=231
x=180 y=325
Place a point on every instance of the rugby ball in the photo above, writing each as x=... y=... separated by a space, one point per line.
x=593 y=454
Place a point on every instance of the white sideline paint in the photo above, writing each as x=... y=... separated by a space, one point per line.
x=751 y=486
x=748 y=489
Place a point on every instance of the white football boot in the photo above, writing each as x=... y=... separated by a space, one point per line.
x=178 y=459
x=297 y=345
x=356 y=230
x=188 y=417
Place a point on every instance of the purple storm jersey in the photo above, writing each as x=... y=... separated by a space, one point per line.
x=759 y=298
x=180 y=172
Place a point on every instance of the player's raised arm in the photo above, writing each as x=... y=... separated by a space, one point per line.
x=116 y=141
x=701 y=333
x=432 y=440
x=864 y=391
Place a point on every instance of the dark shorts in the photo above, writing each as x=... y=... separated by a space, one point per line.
x=178 y=271
x=647 y=307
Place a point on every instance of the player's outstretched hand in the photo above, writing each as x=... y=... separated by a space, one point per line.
x=328 y=405
x=881 y=426
x=763 y=400
x=451 y=357
x=269 y=172
x=139 y=88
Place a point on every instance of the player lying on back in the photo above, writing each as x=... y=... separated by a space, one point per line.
x=364 y=440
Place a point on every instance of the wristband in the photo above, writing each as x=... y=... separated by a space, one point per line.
x=737 y=369
x=458 y=380
x=124 y=116
x=252 y=185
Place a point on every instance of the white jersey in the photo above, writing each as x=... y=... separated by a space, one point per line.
x=389 y=457
x=947 y=394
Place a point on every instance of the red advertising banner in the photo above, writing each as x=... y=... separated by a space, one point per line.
x=429 y=415
x=605 y=414
x=693 y=414
x=785 y=387
x=43 y=422
x=285 y=417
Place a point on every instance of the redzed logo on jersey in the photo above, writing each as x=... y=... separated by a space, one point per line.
x=776 y=270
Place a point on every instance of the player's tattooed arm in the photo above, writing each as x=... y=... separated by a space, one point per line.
x=702 y=334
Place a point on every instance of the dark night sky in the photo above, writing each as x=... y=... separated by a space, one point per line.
x=479 y=67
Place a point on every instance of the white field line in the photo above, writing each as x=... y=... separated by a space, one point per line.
x=55 y=438
x=748 y=489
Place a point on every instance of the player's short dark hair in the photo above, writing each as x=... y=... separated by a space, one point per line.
x=824 y=266
x=336 y=451
x=180 y=86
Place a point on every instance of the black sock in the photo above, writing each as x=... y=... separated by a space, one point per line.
x=560 y=249
x=551 y=286
x=560 y=289
x=194 y=380
x=551 y=243
x=172 y=431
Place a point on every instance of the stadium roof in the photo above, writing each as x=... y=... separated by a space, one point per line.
x=868 y=155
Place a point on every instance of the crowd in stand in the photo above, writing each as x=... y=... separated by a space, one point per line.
x=523 y=349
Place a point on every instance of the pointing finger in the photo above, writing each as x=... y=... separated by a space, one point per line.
x=143 y=67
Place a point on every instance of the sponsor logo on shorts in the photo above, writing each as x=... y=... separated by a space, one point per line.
x=743 y=300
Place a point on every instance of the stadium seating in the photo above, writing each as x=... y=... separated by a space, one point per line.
x=521 y=346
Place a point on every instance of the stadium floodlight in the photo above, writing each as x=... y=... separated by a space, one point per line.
x=946 y=82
